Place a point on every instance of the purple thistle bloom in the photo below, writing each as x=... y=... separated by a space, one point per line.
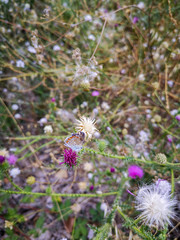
x=135 y=20
x=91 y=188
x=178 y=117
x=53 y=99
x=70 y=158
x=12 y=159
x=2 y=159
x=135 y=171
x=95 y=93
x=112 y=170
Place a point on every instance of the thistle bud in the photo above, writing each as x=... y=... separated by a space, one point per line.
x=160 y=158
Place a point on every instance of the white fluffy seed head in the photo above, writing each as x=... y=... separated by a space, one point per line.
x=156 y=205
x=86 y=125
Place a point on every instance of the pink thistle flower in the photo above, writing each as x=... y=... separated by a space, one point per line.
x=2 y=159
x=91 y=188
x=95 y=93
x=12 y=159
x=178 y=117
x=135 y=171
x=70 y=158
x=53 y=99
x=112 y=170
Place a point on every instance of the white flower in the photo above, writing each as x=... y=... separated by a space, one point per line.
x=17 y=116
x=56 y=48
x=90 y=234
x=141 y=77
x=163 y=186
x=97 y=134
x=105 y=106
x=170 y=83
x=31 y=49
x=14 y=172
x=48 y=129
x=84 y=104
x=14 y=107
x=88 y=18
x=42 y=121
x=143 y=136
x=86 y=125
x=90 y=175
x=141 y=5
x=88 y=167
x=104 y=207
x=156 y=206
x=174 y=112
x=91 y=37
x=20 y=63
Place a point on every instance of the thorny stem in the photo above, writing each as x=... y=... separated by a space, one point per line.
x=129 y=159
x=73 y=195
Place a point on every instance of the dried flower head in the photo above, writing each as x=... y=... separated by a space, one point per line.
x=87 y=126
x=156 y=206
x=161 y=158
x=8 y=224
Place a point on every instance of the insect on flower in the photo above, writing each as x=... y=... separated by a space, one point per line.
x=75 y=141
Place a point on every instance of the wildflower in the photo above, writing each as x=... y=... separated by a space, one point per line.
x=157 y=118
x=141 y=5
x=95 y=93
x=87 y=126
x=56 y=48
x=143 y=136
x=82 y=186
x=112 y=170
x=88 y=18
x=92 y=37
x=104 y=208
x=169 y=138
x=157 y=207
x=124 y=132
x=31 y=49
x=163 y=186
x=135 y=171
x=20 y=64
x=17 y=116
x=3 y=155
x=135 y=20
x=170 y=83
x=14 y=172
x=8 y=224
x=30 y=180
x=48 y=129
x=178 y=117
x=12 y=159
x=14 y=107
x=90 y=175
x=70 y=158
x=53 y=99
x=105 y=106
x=76 y=208
x=174 y=112
x=161 y=158
x=97 y=134
x=91 y=188
x=88 y=167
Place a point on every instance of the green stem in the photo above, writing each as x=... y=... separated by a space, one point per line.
x=16 y=186
x=129 y=159
x=172 y=182
x=59 y=194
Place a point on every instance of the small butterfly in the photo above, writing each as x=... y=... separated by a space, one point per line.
x=75 y=141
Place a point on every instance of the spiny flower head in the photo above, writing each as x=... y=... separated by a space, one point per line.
x=70 y=158
x=156 y=206
x=87 y=126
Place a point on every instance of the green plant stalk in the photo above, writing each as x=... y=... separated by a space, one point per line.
x=134 y=228
x=172 y=182
x=168 y=165
x=73 y=195
x=16 y=186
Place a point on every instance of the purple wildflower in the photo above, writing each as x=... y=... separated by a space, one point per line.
x=12 y=159
x=95 y=93
x=135 y=171
x=116 y=25
x=178 y=117
x=135 y=20
x=169 y=138
x=112 y=170
x=2 y=159
x=53 y=99
x=91 y=188
x=70 y=158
